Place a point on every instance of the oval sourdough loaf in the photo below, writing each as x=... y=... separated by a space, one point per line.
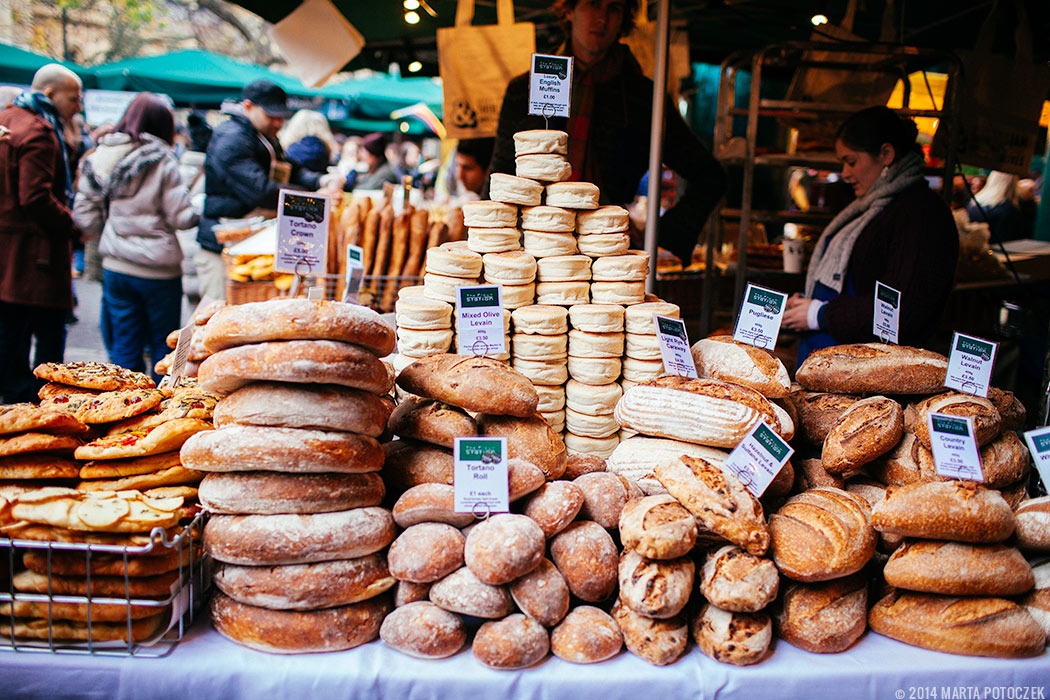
x=826 y=617
x=473 y=383
x=324 y=584
x=1004 y=462
x=423 y=630
x=1037 y=603
x=721 y=357
x=866 y=430
x=253 y=448
x=944 y=510
x=873 y=368
x=542 y=594
x=818 y=412
x=268 y=493
x=431 y=421
x=987 y=423
x=311 y=406
x=1033 y=524
x=957 y=568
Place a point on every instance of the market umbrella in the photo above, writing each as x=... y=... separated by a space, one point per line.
x=17 y=66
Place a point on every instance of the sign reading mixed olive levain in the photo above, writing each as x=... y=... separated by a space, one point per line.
x=954 y=447
x=758 y=322
x=302 y=233
x=479 y=320
x=758 y=458
x=674 y=346
x=355 y=273
x=886 y=321
x=970 y=364
x=550 y=82
x=1039 y=445
x=480 y=477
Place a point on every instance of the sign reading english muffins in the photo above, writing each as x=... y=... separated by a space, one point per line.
x=480 y=478
x=302 y=233
x=550 y=82
x=758 y=458
x=758 y=322
x=970 y=364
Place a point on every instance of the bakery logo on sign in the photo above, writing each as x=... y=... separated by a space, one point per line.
x=552 y=65
x=953 y=426
x=463 y=115
x=770 y=302
x=1042 y=443
x=484 y=451
x=671 y=327
x=307 y=208
x=479 y=297
x=773 y=444
x=889 y=295
x=972 y=346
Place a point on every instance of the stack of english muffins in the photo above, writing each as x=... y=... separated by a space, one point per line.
x=293 y=474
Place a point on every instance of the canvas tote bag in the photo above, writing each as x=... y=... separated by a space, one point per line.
x=476 y=63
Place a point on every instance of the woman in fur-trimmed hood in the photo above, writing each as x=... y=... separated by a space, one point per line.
x=131 y=194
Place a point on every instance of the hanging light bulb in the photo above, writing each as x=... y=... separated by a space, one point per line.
x=412 y=17
x=818 y=19
x=415 y=67
x=411 y=4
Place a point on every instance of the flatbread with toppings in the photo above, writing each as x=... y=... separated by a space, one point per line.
x=103 y=511
x=26 y=417
x=108 y=406
x=187 y=402
x=93 y=375
x=184 y=491
x=141 y=443
x=47 y=533
x=120 y=468
x=53 y=390
x=38 y=466
x=173 y=476
x=37 y=442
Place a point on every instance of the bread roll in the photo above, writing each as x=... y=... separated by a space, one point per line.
x=866 y=430
x=487 y=214
x=573 y=195
x=1033 y=524
x=660 y=642
x=586 y=556
x=429 y=503
x=639 y=317
x=587 y=635
x=826 y=617
x=406 y=592
x=657 y=588
x=528 y=438
x=657 y=527
x=426 y=552
x=540 y=141
x=1037 y=603
x=955 y=568
x=410 y=463
x=423 y=630
x=309 y=406
x=545 y=244
x=873 y=368
x=741 y=639
x=543 y=166
x=540 y=319
x=474 y=383
x=514 y=642
x=513 y=267
x=944 y=510
x=543 y=372
x=462 y=592
x=431 y=421
x=987 y=422
x=633 y=267
x=503 y=239
x=503 y=548
x=514 y=190
x=323 y=584
x=604 y=496
x=269 y=493
x=721 y=357
x=601 y=244
x=737 y=581
x=607 y=219
x=579 y=464
x=542 y=594
x=581 y=444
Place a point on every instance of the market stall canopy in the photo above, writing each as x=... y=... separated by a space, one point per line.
x=17 y=66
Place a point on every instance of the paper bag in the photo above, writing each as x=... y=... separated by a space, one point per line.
x=642 y=42
x=317 y=41
x=476 y=63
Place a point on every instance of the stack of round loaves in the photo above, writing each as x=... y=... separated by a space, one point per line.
x=293 y=478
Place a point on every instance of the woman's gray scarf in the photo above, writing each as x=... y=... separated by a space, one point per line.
x=831 y=257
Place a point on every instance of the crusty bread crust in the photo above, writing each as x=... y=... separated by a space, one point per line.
x=873 y=368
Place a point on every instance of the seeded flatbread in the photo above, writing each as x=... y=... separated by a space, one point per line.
x=173 y=476
x=53 y=390
x=38 y=466
x=120 y=468
x=108 y=406
x=143 y=421
x=33 y=628
x=78 y=612
x=75 y=563
x=25 y=417
x=94 y=375
x=38 y=442
x=141 y=443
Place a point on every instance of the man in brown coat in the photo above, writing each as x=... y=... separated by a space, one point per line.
x=36 y=228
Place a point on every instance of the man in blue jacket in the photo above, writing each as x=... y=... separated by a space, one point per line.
x=243 y=171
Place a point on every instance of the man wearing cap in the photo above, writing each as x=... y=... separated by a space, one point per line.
x=243 y=171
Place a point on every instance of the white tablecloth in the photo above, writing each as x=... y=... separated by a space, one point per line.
x=205 y=665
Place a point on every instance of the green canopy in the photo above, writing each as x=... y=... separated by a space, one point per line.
x=17 y=66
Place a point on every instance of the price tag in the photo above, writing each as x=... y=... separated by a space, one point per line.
x=355 y=273
x=887 y=313
x=758 y=458
x=480 y=478
x=674 y=346
x=550 y=82
x=302 y=232
x=182 y=352
x=1039 y=445
x=315 y=293
x=479 y=320
x=758 y=322
x=970 y=364
x=954 y=447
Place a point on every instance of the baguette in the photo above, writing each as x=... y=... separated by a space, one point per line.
x=383 y=241
x=437 y=235
x=368 y=239
x=417 y=243
x=457 y=231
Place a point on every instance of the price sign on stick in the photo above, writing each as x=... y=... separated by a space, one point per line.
x=1039 y=445
x=355 y=273
x=315 y=293
x=887 y=313
x=480 y=477
x=550 y=82
x=302 y=232
x=758 y=322
x=674 y=346
x=758 y=458
x=970 y=364
x=954 y=447
x=479 y=320
x=182 y=352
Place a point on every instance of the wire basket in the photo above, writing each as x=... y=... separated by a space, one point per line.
x=105 y=614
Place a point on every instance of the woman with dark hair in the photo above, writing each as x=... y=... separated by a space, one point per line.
x=897 y=231
x=130 y=193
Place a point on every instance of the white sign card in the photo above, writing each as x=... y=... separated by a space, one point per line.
x=480 y=477
x=302 y=232
x=550 y=82
x=758 y=458
x=674 y=346
x=970 y=364
x=479 y=319
x=355 y=273
x=315 y=293
x=182 y=353
x=954 y=447
x=886 y=323
x=1039 y=445
x=758 y=322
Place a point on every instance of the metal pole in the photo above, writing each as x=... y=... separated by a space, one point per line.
x=656 y=138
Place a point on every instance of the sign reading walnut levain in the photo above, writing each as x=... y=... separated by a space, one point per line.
x=1039 y=445
x=302 y=232
x=954 y=447
x=886 y=320
x=479 y=320
x=674 y=346
x=550 y=82
x=480 y=478
x=970 y=364
x=758 y=322
x=758 y=458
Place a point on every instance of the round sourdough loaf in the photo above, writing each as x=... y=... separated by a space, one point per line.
x=721 y=357
x=987 y=423
x=311 y=406
x=429 y=503
x=473 y=383
x=1010 y=408
x=254 y=448
x=540 y=141
x=956 y=568
x=660 y=642
x=873 y=368
x=587 y=635
x=485 y=214
x=657 y=527
x=531 y=439
x=462 y=592
x=298 y=319
x=541 y=320
x=324 y=584
x=822 y=534
x=553 y=506
x=409 y=463
x=426 y=552
x=423 y=630
x=298 y=361
x=944 y=510
x=737 y=581
x=811 y=474
x=639 y=317
x=900 y=465
x=503 y=548
x=1033 y=524
x=604 y=496
x=430 y=421
x=865 y=431
x=267 y=540
x=546 y=167
x=819 y=412
x=971 y=626
x=826 y=617
x=586 y=556
x=453 y=261
x=270 y=493
x=542 y=594
x=514 y=190
x=516 y=641
x=298 y=632
x=741 y=639
x=406 y=592
x=657 y=588
x=1004 y=462
x=573 y=195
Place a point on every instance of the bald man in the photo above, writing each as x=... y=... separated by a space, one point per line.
x=36 y=228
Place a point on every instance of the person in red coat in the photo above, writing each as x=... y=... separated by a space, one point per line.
x=36 y=228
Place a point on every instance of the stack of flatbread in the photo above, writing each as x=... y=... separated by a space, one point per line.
x=36 y=446
x=198 y=353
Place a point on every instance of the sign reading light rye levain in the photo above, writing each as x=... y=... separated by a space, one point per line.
x=302 y=232
x=479 y=320
x=480 y=475
x=954 y=448
x=758 y=322
x=1039 y=445
x=758 y=458
x=674 y=346
x=970 y=364
x=550 y=83
x=886 y=320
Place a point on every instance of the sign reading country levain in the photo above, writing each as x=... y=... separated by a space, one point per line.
x=480 y=475
x=758 y=322
x=1039 y=445
x=970 y=364
x=886 y=321
x=479 y=320
x=302 y=233
x=550 y=83
x=954 y=447
x=758 y=458
x=674 y=346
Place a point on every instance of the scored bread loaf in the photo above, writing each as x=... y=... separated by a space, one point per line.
x=944 y=510
x=657 y=527
x=873 y=368
x=473 y=383
x=826 y=617
x=660 y=642
x=721 y=357
x=741 y=639
x=957 y=568
x=636 y=457
x=1037 y=603
x=657 y=588
x=325 y=584
x=1033 y=524
x=865 y=431
x=987 y=422
x=737 y=581
x=818 y=412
